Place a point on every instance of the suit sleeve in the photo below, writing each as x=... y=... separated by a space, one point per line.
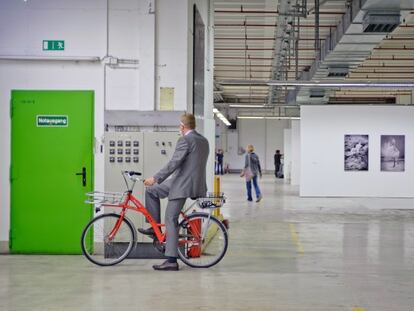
x=180 y=153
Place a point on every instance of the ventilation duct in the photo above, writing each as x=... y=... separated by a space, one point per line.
x=338 y=71
x=362 y=100
x=316 y=93
x=381 y=21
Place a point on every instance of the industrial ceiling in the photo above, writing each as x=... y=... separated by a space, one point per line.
x=259 y=41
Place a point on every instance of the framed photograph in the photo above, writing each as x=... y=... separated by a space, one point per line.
x=393 y=153
x=356 y=152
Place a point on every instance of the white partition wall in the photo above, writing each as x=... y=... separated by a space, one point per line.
x=322 y=150
x=274 y=141
x=296 y=153
x=265 y=135
x=232 y=156
x=287 y=155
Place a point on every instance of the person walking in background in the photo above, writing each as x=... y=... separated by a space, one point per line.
x=251 y=170
x=219 y=162
x=277 y=161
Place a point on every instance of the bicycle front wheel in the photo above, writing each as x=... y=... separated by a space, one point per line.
x=106 y=241
x=203 y=240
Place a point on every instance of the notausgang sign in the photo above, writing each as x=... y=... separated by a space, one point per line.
x=52 y=121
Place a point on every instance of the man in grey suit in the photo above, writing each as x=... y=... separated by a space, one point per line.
x=188 y=169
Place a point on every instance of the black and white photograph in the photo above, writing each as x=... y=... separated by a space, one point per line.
x=393 y=153
x=356 y=152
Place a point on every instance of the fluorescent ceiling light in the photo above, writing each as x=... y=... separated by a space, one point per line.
x=269 y=117
x=262 y=106
x=251 y=95
x=221 y=117
x=250 y=106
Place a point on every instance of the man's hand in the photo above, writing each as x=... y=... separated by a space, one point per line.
x=149 y=181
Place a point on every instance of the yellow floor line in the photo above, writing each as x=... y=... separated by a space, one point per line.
x=295 y=239
x=358 y=309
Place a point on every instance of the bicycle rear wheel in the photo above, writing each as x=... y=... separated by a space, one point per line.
x=99 y=248
x=203 y=240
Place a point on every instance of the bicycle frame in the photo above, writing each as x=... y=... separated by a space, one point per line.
x=140 y=208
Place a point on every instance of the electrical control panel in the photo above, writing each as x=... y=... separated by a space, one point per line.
x=123 y=152
x=145 y=152
x=159 y=148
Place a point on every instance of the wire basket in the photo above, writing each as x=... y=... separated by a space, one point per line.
x=105 y=198
x=212 y=200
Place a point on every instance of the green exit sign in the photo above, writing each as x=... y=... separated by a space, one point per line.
x=52 y=121
x=53 y=45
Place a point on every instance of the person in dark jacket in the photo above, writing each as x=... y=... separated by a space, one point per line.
x=219 y=162
x=277 y=160
x=252 y=162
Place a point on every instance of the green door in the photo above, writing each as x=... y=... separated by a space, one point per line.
x=51 y=169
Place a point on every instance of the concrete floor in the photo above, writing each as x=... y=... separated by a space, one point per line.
x=285 y=253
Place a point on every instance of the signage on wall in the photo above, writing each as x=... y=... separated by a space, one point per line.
x=53 y=45
x=52 y=121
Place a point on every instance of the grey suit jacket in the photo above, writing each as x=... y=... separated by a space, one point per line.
x=188 y=166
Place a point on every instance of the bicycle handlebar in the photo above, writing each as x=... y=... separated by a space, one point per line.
x=132 y=173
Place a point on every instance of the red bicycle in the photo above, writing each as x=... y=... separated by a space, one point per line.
x=110 y=237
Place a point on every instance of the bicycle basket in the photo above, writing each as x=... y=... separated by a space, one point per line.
x=212 y=200
x=105 y=198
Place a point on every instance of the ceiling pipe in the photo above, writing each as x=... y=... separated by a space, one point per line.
x=383 y=78
x=394 y=49
x=269 y=117
x=399 y=39
x=252 y=58
x=266 y=71
x=259 y=39
x=258 y=58
x=330 y=84
x=270 y=12
x=238 y=66
x=258 y=49
x=269 y=25
x=376 y=72
x=51 y=58
x=385 y=66
x=391 y=58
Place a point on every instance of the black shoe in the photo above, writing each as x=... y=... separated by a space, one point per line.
x=149 y=231
x=250 y=200
x=166 y=266
x=259 y=198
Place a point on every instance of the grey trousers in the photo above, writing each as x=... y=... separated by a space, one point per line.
x=152 y=202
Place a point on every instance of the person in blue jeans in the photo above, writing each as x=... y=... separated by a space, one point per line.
x=252 y=162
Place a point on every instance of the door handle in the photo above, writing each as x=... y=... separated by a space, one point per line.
x=83 y=176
